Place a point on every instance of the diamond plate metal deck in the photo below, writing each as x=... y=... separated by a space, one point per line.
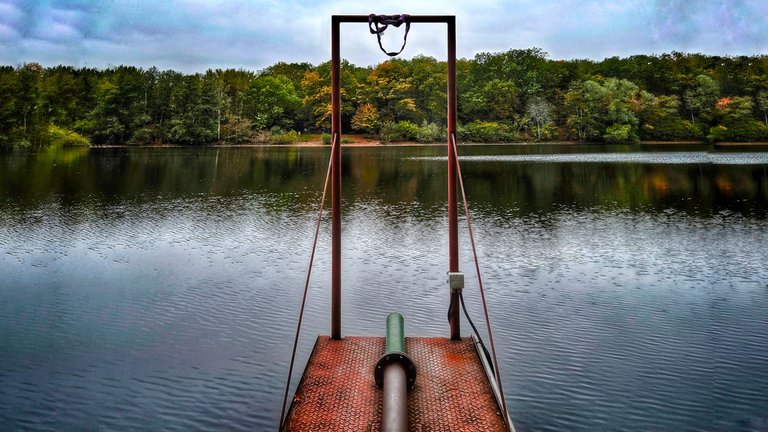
x=337 y=391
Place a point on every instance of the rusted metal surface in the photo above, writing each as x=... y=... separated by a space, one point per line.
x=335 y=181
x=453 y=236
x=434 y=19
x=453 y=215
x=338 y=392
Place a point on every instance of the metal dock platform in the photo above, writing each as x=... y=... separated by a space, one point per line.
x=416 y=384
x=337 y=391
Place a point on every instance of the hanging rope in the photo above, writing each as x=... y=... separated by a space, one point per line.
x=306 y=284
x=385 y=21
x=479 y=279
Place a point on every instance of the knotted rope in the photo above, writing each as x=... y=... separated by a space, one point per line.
x=378 y=23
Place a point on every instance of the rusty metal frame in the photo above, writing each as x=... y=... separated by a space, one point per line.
x=453 y=235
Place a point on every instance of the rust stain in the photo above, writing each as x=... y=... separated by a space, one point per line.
x=338 y=392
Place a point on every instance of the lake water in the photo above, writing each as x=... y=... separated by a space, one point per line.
x=158 y=288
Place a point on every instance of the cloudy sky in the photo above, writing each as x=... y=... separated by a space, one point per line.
x=194 y=35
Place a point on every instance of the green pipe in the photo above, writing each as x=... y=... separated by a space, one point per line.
x=395 y=333
x=395 y=352
x=392 y=375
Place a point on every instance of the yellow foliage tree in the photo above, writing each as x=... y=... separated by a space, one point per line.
x=366 y=119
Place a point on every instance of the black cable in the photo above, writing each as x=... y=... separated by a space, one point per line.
x=477 y=334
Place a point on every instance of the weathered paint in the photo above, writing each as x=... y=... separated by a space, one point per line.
x=395 y=333
x=453 y=231
x=338 y=392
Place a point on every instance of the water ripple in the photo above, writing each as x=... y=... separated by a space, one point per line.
x=638 y=157
x=175 y=312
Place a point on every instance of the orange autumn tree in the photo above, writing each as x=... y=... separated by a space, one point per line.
x=722 y=103
x=366 y=119
x=735 y=121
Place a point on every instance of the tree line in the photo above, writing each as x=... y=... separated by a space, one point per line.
x=519 y=94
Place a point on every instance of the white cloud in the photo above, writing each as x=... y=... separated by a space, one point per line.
x=8 y=33
x=10 y=13
x=192 y=35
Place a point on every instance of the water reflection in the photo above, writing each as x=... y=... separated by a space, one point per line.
x=156 y=288
x=697 y=182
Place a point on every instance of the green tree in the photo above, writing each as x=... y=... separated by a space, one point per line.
x=730 y=110
x=496 y=100
x=735 y=121
x=592 y=108
x=622 y=100
x=650 y=96
x=235 y=129
x=105 y=125
x=582 y=105
x=293 y=71
x=430 y=92
x=316 y=87
x=660 y=120
x=231 y=86
x=272 y=101
x=59 y=93
x=29 y=111
x=702 y=96
x=524 y=68
x=8 y=92
x=120 y=108
x=193 y=116
x=762 y=103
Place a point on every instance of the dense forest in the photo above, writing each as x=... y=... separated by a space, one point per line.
x=515 y=95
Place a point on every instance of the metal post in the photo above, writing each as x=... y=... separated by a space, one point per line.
x=453 y=236
x=335 y=181
x=395 y=373
x=453 y=215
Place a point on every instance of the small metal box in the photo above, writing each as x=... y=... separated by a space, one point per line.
x=456 y=281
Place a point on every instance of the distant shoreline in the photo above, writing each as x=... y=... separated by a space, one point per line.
x=377 y=143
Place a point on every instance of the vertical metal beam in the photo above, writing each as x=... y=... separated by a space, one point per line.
x=335 y=180
x=453 y=215
x=453 y=236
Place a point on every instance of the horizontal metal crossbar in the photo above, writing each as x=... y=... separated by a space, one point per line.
x=411 y=18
